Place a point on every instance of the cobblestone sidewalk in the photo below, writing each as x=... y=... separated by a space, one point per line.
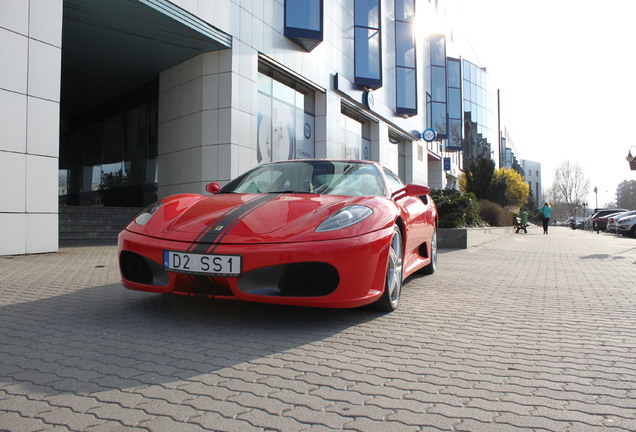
x=527 y=333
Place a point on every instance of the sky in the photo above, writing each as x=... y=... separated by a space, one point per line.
x=566 y=71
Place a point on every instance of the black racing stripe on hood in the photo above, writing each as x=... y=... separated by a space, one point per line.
x=219 y=228
x=217 y=222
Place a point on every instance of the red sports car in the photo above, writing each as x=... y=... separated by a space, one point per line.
x=301 y=232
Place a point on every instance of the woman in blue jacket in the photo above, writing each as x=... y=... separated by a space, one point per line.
x=545 y=212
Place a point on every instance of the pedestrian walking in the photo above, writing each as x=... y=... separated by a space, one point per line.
x=545 y=211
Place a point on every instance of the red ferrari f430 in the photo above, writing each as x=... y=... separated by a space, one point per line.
x=321 y=233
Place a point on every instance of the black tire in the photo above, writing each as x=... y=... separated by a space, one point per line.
x=430 y=269
x=393 y=286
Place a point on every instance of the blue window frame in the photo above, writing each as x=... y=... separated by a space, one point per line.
x=405 y=64
x=367 y=44
x=304 y=22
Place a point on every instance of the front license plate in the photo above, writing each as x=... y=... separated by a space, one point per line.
x=216 y=265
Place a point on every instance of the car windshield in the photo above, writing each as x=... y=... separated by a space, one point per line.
x=314 y=177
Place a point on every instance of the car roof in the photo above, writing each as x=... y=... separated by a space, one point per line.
x=605 y=212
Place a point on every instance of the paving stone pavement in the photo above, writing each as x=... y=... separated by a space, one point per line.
x=527 y=333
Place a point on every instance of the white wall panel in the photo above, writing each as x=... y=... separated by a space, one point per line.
x=43 y=127
x=13 y=181
x=13 y=233
x=45 y=21
x=14 y=16
x=45 y=62
x=41 y=233
x=14 y=55
x=41 y=184
x=13 y=123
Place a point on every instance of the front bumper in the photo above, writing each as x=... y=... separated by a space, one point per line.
x=332 y=273
x=625 y=228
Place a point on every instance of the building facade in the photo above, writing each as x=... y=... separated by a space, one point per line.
x=626 y=194
x=532 y=172
x=481 y=127
x=121 y=102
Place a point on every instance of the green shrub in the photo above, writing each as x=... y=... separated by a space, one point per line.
x=456 y=210
x=494 y=214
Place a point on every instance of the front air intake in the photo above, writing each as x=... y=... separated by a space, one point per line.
x=307 y=279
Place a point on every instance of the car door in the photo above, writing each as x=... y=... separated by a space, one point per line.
x=418 y=214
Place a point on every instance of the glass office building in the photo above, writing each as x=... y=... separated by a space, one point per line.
x=481 y=129
x=116 y=103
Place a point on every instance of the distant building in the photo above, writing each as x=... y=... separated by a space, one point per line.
x=532 y=171
x=626 y=194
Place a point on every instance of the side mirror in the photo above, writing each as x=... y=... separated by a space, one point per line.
x=411 y=189
x=213 y=187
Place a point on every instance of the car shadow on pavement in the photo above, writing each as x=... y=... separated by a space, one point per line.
x=608 y=256
x=107 y=337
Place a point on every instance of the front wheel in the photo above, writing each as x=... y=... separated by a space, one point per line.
x=393 y=286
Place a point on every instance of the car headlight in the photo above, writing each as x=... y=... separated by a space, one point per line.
x=627 y=219
x=145 y=215
x=345 y=217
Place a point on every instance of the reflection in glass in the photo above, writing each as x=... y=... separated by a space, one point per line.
x=404 y=10
x=303 y=14
x=438 y=84
x=453 y=73
x=108 y=154
x=454 y=103
x=367 y=13
x=406 y=89
x=404 y=44
x=367 y=48
x=367 y=44
x=455 y=129
x=438 y=50
x=439 y=117
x=284 y=123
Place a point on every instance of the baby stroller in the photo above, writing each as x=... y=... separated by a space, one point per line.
x=521 y=222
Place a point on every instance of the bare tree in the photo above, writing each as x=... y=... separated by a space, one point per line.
x=570 y=185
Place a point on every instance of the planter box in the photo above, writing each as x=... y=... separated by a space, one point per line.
x=463 y=238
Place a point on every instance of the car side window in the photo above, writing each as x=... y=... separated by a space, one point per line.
x=395 y=183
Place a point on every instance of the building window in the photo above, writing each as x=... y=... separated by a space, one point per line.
x=439 y=117
x=367 y=44
x=454 y=105
x=480 y=118
x=354 y=135
x=285 y=120
x=304 y=22
x=108 y=155
x=405 y=65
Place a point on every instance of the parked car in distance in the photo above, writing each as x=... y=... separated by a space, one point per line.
x=612 y=220
x=627 y=225
x=599 y=219
x=576 y=223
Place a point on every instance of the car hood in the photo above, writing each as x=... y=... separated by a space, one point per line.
x=262 y=218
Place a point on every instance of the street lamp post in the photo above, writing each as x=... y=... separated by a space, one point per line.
x=630 y=159
x=596 y=195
